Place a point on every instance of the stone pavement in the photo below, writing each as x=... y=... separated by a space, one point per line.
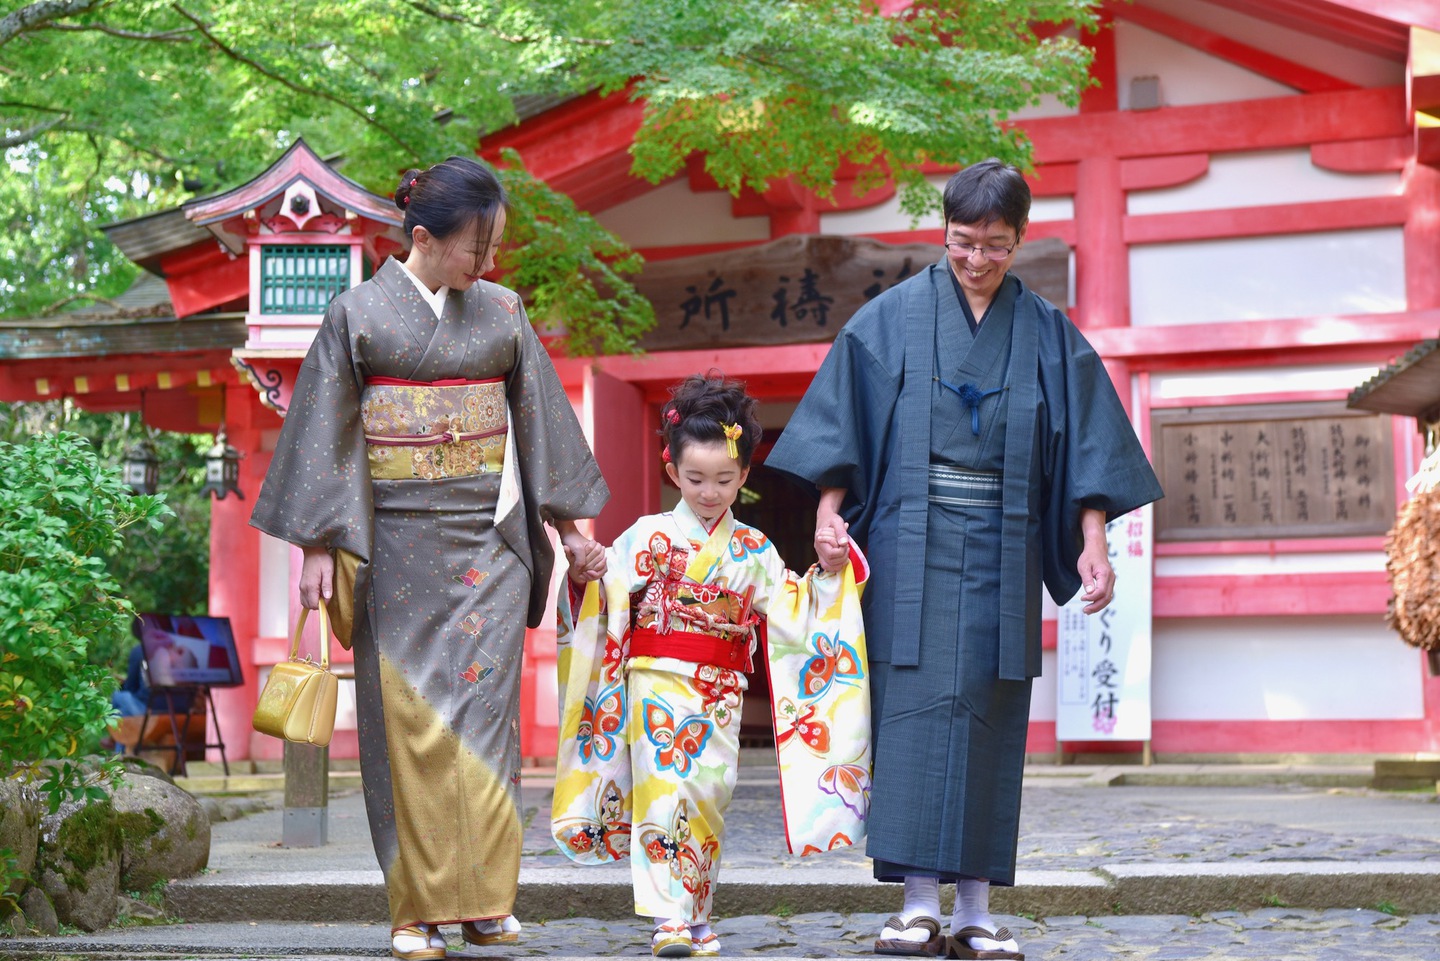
x=1175 y=862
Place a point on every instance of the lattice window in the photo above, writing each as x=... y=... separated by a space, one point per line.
x=302 y=279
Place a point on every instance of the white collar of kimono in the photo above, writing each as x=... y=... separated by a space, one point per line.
x=436 y=299
x=691 y=525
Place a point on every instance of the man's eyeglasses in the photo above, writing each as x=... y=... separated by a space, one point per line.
x=963 y=251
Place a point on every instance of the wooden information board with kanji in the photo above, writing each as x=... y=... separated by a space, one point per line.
x=1273 y=470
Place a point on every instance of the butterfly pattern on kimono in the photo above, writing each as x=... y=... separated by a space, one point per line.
x=851 y=784
x=719 y=689
x=833 y=661
x=803 y=728
x=603 y=832
x=747 y=541
x=673 y=846
x=677 y=746
x=601 y=720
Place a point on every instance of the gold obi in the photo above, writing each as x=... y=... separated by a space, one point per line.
x=448 y=428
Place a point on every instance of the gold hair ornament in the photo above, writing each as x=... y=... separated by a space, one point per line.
x=732 y=434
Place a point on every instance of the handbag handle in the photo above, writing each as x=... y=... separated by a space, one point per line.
x=324 y=637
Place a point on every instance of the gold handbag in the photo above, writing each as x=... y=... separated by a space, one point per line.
x=298 y=703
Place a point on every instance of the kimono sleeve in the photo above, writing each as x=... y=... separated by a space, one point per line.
x=557 y=474
x=841 y=431
x=317 y=488
x=1094 y=459
x=591 y=809
x=820 y=702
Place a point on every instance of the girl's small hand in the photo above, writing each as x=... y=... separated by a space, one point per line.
x=586 y=558
x=829 y=548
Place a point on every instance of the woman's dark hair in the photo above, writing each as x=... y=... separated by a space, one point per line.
x=451 y=196
x=699 y=408
x=987 y=191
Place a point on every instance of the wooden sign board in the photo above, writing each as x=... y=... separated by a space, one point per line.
x=801 y=288
x=1273 y=470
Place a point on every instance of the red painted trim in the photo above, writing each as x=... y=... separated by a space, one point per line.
x=1382 y=37
x=1103 y=96
x=1053 y=180
x=1290 y=341
x=691 y=250
x=1313 y=217
x=1061 y=229
x=1425 y=92
x=203 y=289
x=1149 y=173
x=1296 y=545
x=307 y=237
x=1231 y=400
x=1259 y=61
x=1259 y=737
x=772 y=372
x=1271 y=595
x=1295 y=121
x=1362 y=156
x=1049 y=634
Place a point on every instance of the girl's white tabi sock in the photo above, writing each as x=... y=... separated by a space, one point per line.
x=922 y=899
x=698 y=931
x=972 y=908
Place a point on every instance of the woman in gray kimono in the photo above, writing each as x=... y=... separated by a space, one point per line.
x=427 y=443
x=963 y=430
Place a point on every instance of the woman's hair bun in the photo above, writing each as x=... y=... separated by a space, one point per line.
x=407 y=184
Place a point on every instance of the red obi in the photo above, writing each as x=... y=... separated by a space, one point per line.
x=698 y=648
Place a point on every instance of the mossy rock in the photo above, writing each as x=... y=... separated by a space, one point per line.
x=165 y=832
x=79 y=863
x=20 y=810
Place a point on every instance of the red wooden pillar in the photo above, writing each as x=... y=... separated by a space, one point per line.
x=1102 y=261
x=1422 y=236
x=235 y=567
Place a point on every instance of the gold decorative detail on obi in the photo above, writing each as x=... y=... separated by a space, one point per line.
x=428 y=432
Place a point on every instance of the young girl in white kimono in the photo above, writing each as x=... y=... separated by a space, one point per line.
x=653 y=673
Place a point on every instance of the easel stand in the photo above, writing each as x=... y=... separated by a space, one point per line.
x=199 y=696
x=1147 y=757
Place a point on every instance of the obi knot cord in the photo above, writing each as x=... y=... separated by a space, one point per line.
x=971 y=396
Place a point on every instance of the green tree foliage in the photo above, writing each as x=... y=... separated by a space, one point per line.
x=116 y=107
x=165 y=568
x=61 y=512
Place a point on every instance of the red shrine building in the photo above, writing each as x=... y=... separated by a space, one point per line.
x=1243 y=216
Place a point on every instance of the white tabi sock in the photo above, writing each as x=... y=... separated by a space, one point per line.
x=972 y=908
x=922 y=899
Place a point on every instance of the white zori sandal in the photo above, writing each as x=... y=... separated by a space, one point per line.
x=671 y=940
x=417 y=942
x=504 y=930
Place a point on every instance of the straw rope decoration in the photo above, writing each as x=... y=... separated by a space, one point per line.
x=1413 y=561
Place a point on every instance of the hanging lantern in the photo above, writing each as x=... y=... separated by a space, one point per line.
x=222 y=469
x=141 y=468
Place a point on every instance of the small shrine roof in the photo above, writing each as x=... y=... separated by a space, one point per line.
x=1409 y=385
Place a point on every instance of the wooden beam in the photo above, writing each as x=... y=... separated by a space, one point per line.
x=1150 y=173
x=1269 y=123
x=1262 y=62
x=1288 y=340
x=1320 y=215
x=1362 y=156
x=1103 y=97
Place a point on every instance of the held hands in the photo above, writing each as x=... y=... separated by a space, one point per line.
x=832 y=542
x=586 y=557
x=317 y=577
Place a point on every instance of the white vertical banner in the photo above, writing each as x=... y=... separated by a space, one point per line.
x=1104 y=659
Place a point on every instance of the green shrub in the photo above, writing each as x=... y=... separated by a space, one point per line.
x=61 y=513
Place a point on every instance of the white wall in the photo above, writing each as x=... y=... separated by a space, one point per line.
x=673 y=214
x=1284 y=669
x=1236 y=381
x=1268 y=278
x=1187 y=76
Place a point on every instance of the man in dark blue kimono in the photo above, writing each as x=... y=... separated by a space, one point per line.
x=964 y=431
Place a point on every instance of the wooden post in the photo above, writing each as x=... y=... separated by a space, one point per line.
x=307 y=796
x=1147 y=758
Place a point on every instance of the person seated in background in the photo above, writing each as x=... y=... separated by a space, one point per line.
x=133 y=695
